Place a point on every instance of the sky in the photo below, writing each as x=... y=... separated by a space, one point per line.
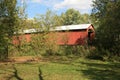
x=34 y=7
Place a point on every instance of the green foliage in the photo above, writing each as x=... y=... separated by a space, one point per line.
x=47 y=21
x=38 y=43
x=77 y=50
x=22 y=49
x=44 y=43
x=72 y=16
x=108 y=33
x=8 y=25
x=85 y=18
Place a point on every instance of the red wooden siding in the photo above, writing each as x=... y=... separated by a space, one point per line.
x=21 y=38
x=72 y=37
x=76 y=37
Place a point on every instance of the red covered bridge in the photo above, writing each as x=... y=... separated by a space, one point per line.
x=69 y=35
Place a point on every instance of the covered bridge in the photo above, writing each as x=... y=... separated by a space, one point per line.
x=65 y=35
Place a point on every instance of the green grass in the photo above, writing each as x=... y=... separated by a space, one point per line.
x=77 y=69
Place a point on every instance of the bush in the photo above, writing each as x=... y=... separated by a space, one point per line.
x=77 y=50
x=102 y=54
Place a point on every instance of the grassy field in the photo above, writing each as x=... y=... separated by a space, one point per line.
x=67 y=69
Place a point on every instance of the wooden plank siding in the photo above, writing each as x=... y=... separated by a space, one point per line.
x=65 y=37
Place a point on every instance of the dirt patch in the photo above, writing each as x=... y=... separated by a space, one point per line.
x=22 y=59
x=25 y=59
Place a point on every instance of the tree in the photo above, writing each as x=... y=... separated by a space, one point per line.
x=45 y=41
x=72 y=16
x=107 y=13
x=85 y=18
x=8 y=21
x=48 y=20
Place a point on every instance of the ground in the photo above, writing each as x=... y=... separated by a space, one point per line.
x=58 y=68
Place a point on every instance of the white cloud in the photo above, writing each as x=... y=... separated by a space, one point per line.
x=37 y=1
x=81 y=5
x=76 y=4
x=51 y=3
x=45 y=2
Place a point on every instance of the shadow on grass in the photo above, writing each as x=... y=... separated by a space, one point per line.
x=97 y=71
x=40 y=74
x=15 y=74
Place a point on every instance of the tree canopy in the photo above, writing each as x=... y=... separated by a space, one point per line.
x=108 y=33
x=8 y=21
x=72 y=16
x=47 y=21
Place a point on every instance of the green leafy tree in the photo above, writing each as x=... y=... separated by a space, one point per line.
x=85 y=18
x=45 y=41
x=48 y=20
x=8 y=21
x=108 y=33
x=72 y=16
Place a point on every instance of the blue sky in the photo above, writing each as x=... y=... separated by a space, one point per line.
x=34 y=7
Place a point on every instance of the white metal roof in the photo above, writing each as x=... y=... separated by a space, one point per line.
x=60 y=28
x=73 y=27
x=30 y=31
